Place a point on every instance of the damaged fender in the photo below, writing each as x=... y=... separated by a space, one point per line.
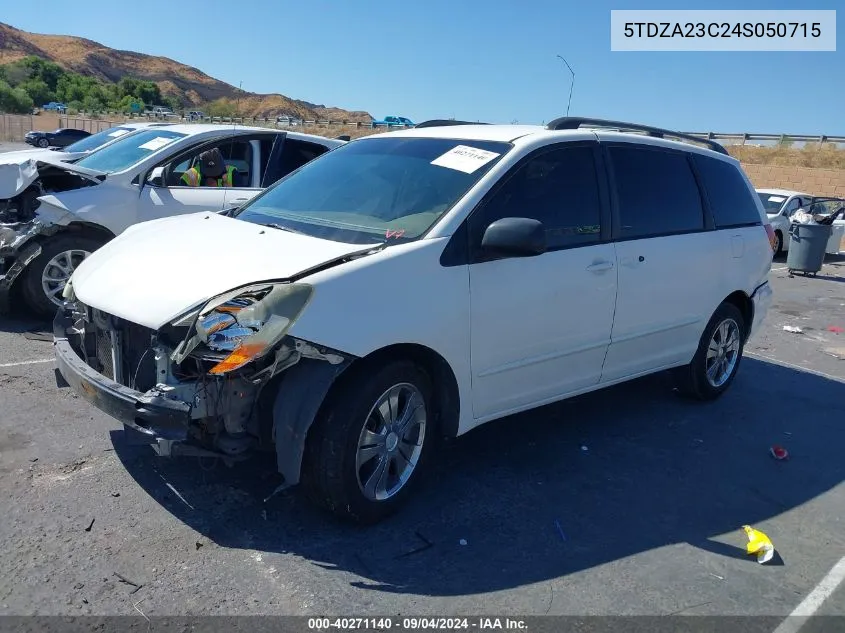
x=302 y=391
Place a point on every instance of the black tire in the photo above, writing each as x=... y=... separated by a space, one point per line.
x=43 y=142
x=691 y=379
x=779 y=249
x=329 y=474
x=37 y=301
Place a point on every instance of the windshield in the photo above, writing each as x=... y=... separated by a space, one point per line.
x=771 y=202
x=129 y=150
x=374 y=190
x=96 y=140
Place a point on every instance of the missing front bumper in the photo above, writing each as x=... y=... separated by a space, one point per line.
x=150 y=415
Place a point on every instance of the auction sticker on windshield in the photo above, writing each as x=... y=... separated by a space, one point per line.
x=776 y=199
x=118 y=133
x=157 y=143
x=464 y=158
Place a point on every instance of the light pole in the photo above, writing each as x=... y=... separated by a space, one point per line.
x=571 y=85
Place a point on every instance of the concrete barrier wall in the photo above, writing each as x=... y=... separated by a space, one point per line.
x=817 y=182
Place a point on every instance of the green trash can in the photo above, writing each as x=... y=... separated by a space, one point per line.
x=807 y=246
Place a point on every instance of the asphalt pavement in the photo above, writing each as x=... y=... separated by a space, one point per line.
x=628 y=501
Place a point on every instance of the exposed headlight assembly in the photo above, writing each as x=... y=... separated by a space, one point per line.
x=246 y=323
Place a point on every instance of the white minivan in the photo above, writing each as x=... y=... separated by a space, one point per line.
x=414 y=285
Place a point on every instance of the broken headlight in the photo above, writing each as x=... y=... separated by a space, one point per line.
x=247 y=323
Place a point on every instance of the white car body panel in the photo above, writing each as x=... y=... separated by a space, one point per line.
x=529 y=340
x=160 y=269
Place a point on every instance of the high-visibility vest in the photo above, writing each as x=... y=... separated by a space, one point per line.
x=193 y=177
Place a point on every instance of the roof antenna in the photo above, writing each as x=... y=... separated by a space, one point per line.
x=571 y=85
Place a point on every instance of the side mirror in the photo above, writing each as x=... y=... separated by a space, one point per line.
x=514 y=237
x=156 y=177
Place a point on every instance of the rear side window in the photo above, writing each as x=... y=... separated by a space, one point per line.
x=731 y=201
x=657 y=192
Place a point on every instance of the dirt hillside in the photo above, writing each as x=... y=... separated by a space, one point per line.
x=189 y=84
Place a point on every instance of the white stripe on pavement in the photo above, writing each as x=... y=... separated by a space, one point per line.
x=783 y=363
x=28 y=362
x=812 y=602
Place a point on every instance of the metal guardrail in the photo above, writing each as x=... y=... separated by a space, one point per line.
x=776 y=138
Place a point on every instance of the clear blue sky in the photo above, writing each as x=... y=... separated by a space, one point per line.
x=492 y=60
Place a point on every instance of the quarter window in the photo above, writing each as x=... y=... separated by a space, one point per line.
x=731 y=201
x=559 y=188
x=657 y=192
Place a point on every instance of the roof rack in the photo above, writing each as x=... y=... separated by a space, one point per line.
x=573 y=123
x=445 y=122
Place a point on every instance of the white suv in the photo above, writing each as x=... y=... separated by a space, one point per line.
x=417 y=284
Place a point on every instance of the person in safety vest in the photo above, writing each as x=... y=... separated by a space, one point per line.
x=210 y=171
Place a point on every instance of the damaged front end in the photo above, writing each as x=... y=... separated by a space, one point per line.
x=222 y=380
x=21 y=185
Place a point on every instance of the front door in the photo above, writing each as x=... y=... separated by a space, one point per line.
x=174 y=197
x=540 y=326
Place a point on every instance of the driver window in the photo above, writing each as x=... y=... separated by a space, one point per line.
x=559 y=188
x=236 y=154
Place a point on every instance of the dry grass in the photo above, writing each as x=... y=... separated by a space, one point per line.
x=813 y=155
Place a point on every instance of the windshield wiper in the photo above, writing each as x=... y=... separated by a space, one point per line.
x=283 y=228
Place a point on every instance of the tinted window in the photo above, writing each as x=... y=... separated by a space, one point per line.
x=657 y=191
x=559 y=188
x=731 y=201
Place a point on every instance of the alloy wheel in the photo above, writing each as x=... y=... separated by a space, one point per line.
x=391 y=442
x=57 y=272
x=722 y=353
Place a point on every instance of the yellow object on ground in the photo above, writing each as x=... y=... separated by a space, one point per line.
x=758 y=543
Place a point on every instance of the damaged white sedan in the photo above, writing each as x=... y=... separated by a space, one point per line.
x=53 y=214
x=414 y=285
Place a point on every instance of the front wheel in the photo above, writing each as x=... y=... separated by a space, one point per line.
x=778 y=244
x=717 y=359
x=45 y=278
x=43 y=142
x=371 y=442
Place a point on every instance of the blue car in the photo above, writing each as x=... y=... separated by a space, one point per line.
x=394 y=121
x=55 y=105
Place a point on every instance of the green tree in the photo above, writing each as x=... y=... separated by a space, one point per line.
x=14 y=100
x=38 y=91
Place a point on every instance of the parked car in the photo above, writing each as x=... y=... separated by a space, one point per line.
x=62 y=212
x=418 y=284
x=780 y=205
x=77 y=150
x=288 y=120
x=162 y=111
x=394 y=121
x=196 y=115
x=55 y=106
x=62 y=137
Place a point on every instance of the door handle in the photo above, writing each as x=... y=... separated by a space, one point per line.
x=599 y=267
x=240 y=199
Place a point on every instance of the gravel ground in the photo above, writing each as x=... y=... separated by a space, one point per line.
x=627 y=501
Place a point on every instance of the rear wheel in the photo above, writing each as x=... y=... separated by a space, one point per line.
x=371 y=443
x=45 y=278
x=717 y=359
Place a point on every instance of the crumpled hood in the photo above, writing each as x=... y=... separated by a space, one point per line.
x=155 y=271
x=21 y=170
